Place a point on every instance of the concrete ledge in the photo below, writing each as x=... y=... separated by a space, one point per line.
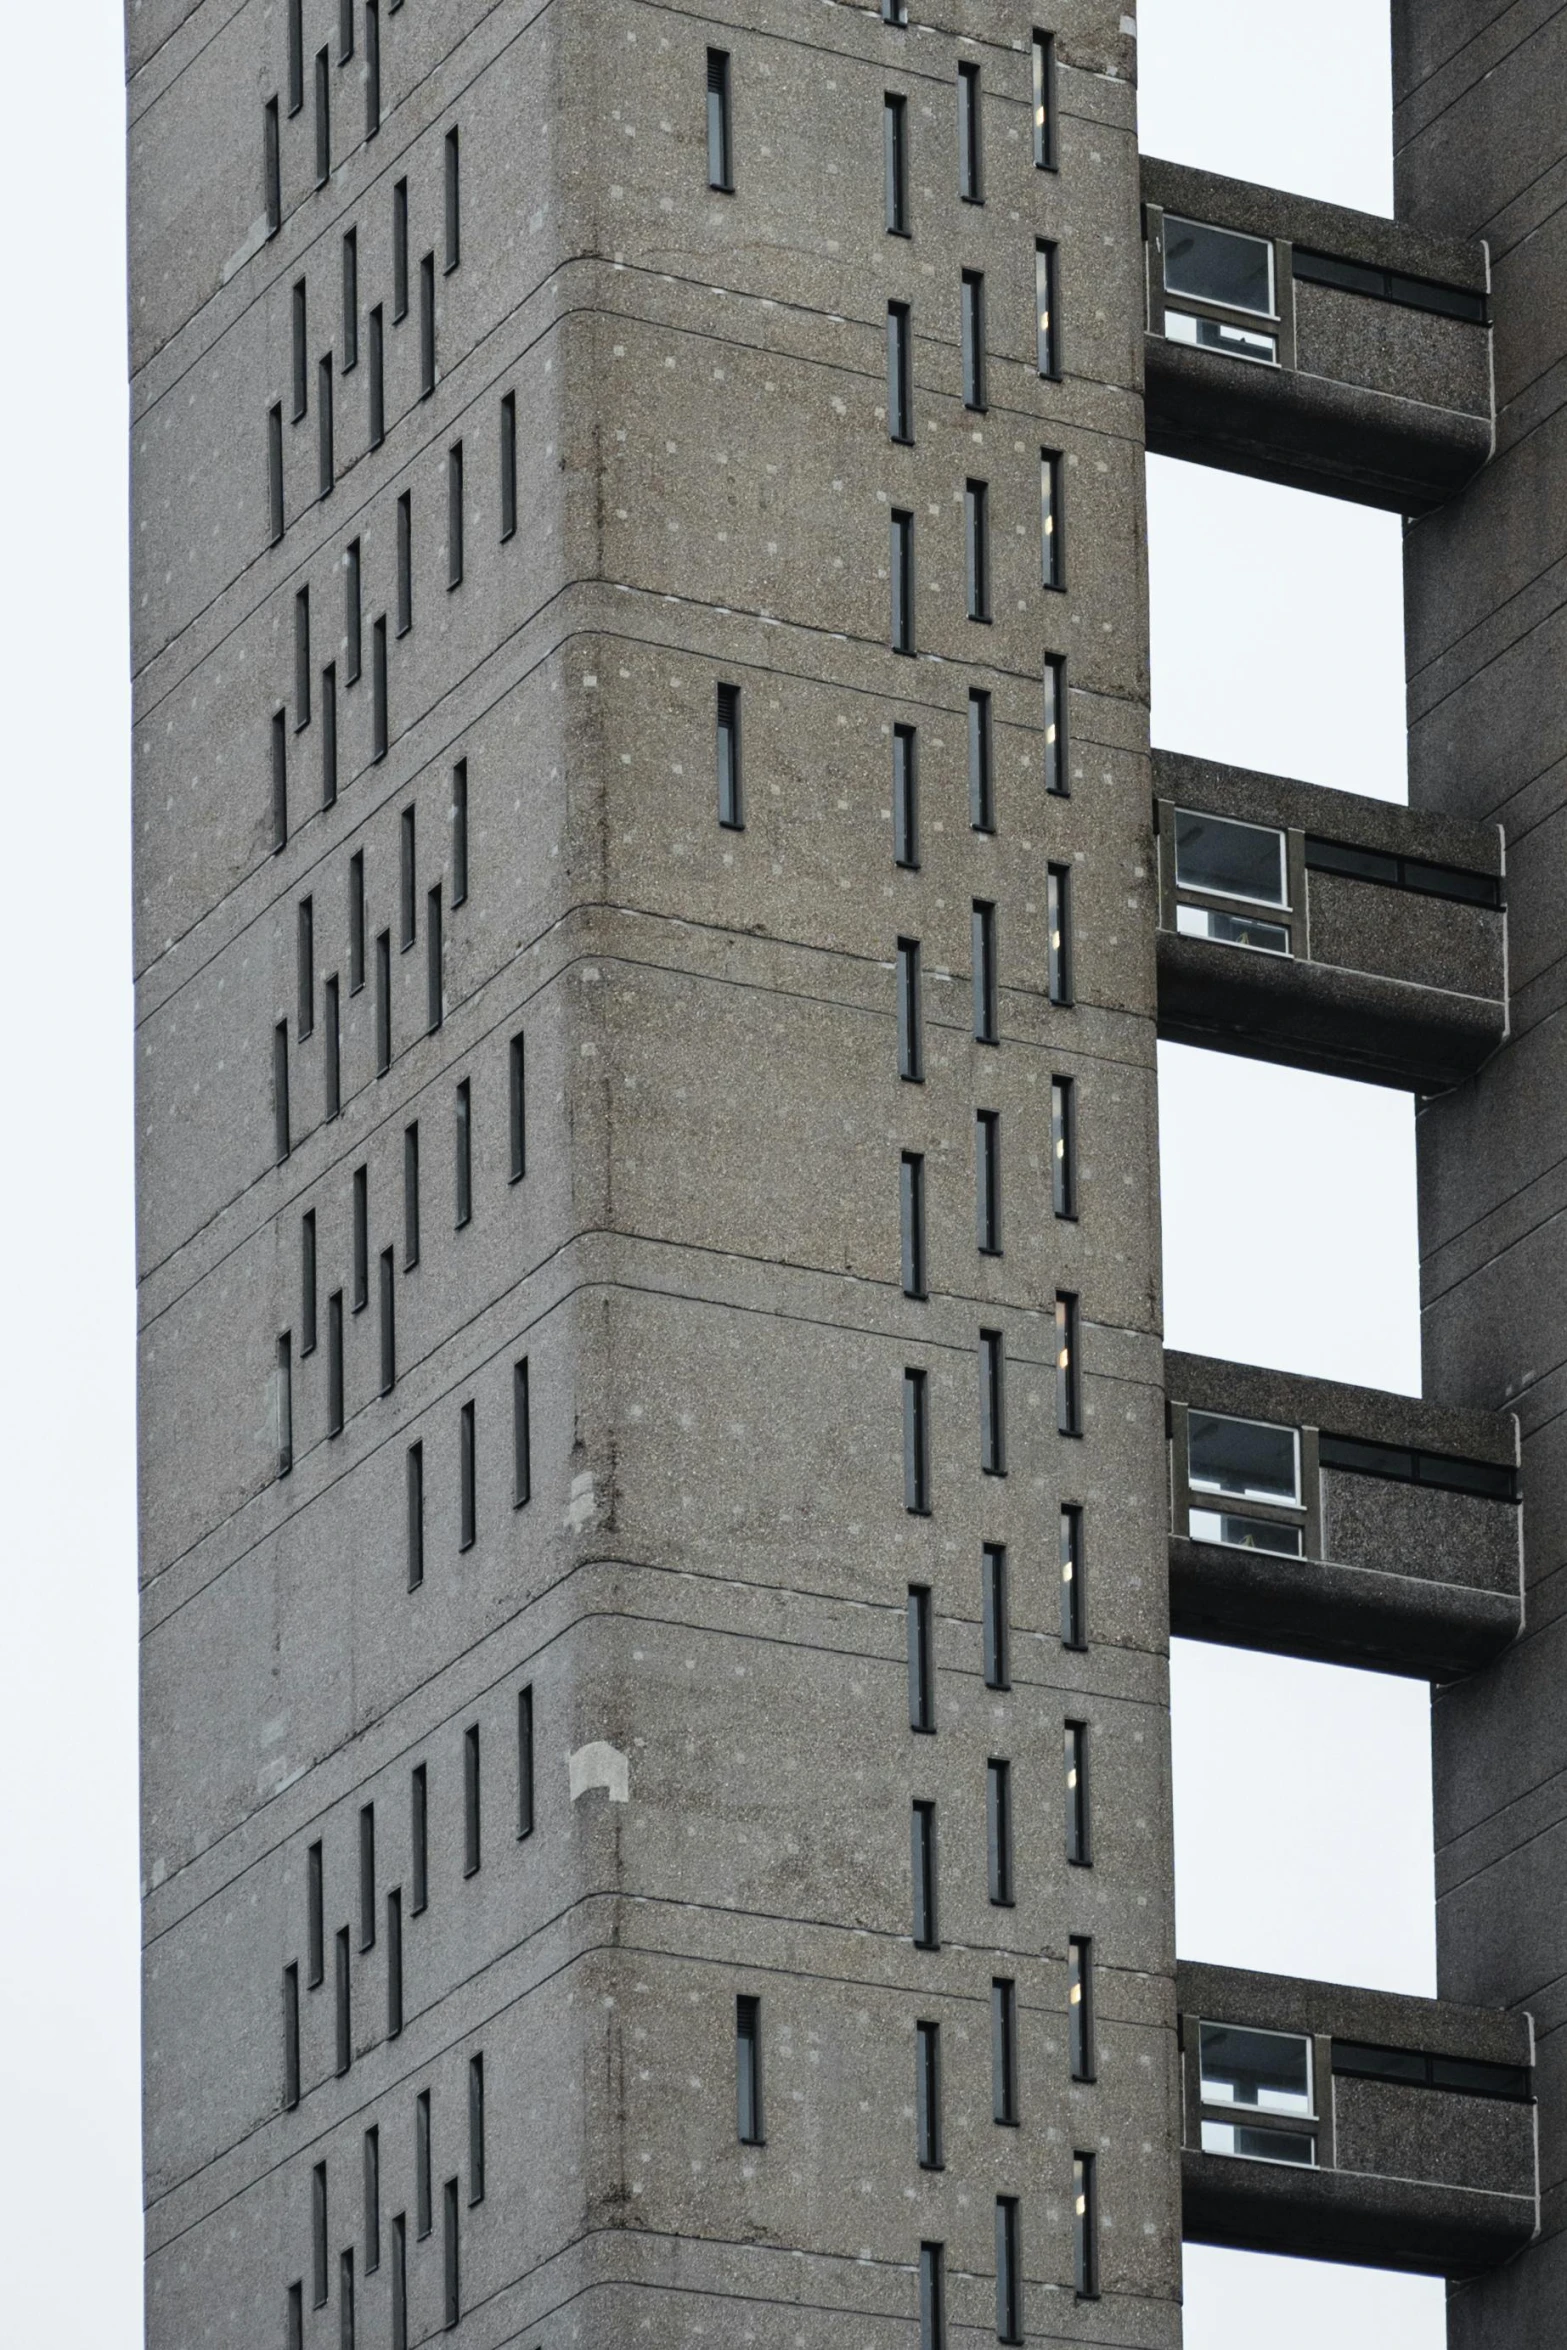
x=1336 y=1615
x=1402 y=2224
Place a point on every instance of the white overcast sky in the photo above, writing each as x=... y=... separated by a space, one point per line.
x=1277 y=642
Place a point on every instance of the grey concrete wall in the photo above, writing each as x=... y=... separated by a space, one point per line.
x=1480 y=141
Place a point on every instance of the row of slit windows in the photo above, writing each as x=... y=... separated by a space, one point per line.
x=320 y=78
x=387 y=1913
x=918 y=1476
x=1009 y=2261
x=1001 y=1877
x=903 y=590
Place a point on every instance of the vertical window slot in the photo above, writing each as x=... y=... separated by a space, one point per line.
x=987 y=990
x=905 y=799
x=280 y=1122
x=410 y=1197
x=372 y=68
x=380 y=716
x=927 y=2095
x=463 y=1184
x=900 y=372
x=992 y=1404
x=301 y=357
x=367 y=1876
x=720 y=159
x=1085 y=2226
x=976 y=543
x=476 y=2129
x=361 y=1196
x=923 y=1856
x=454 y=517
x=1058 y=933
x=1074 y=1594
x=902 y=579
x=291 y=2036
x=453 y=192
x=388 y=1322
x=1078 y=1845
x=460 y=833
x=279 y=780
x=911 y=1191
x=1063 y=1146
x=1003 y=2052
x=284 y=1390
x=1053 y=719
x=911 y=1036
x=343 y=1991
x=334 y=1363
x=435 y=994
x=731 y=808
x=922 y=1660
x=748 y=2069
x=895 y=162
x=305 y=933
x=996 y=1639
x=508 y=465
x=998 y=1832
x=419 y=1834
x=326 y=461
x=987 y=1181
x=1069 y=1380
x=1052 y=520
x=971 y=186
x=400 y=251
x=916 y=1443
x=973 y=340
x=933 y=2282
x=427 y=326
x=470 y=1801
x=301 y=660
x=1009 y=2270
x=521 y=1437
x=517 y=1120
x=415 y=1480
x=1047 y=321
x=353 y=618
x=275 y=517
x=383 y=1002
x=329 y=735
x=331 y=1047
x=307 y=1282
x=1080 y=2005
x=377 y=376
x=524 y=1763
x=1044 y=62
x=467 y=1468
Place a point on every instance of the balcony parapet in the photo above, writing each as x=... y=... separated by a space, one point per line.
x=1344 y=1524
x=1307 y=344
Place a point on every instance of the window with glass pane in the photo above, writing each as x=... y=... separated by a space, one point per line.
x=1268 y=2072
x=1249 y=1458
x=1218 y=334
x=1241 y=1533
x=1218 y=265
x=1232 y=930
x=1232 y=860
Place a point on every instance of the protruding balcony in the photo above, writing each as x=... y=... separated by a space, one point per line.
x=1326 y=930
x=1340 y=2124
x=1326 y=349
x=1340 y=1523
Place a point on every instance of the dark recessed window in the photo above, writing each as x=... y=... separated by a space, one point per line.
x=973 y=339
x=275 y=520
x=895 y=162
x=521 y=1437
x=987 y=1182
x=361 y=1234
x=318 y=2215
x=933 y=2266
x=517 y=1118
x=285 y=1404
x=377 y=377
x=463 y=1153
x=296 y=86
x=372 y=68
x=427 y=326
x=415 y=1499
x=923 y=1858
x=460 y=833
x=356 y=922
x=1054 y=722
x=400 y=251
x=900 y=372
x=419 y=1834
x=454 y=516
x=981 y=763
x=1047 y=324
x=971 y=183
x=307 y=1282
x=1085 y=2226
x=353 y=617
x=905 y=799
x=1080 y=2005
x=367 y=1876
x=291 y=2040
x=453 y=192
x=435 y=970
x=731 y=805
x=467 y=1478
x=1052 y=519
x=998 y=1832
x=315 y=1915
x=916 y=1442
x=305 y=957
x=380 y=713
x=272 y=167
x=410 y=1196
x=476 y=2129
x=922 y=1660
x=424 y=2181
x=388 y=1288
x=1079 y=1848
x=524 y=1763
x=342 y=1999
x=720 y=155
x=1074 y=1617
x=1045 y=101
x=329 y=735
x=405 y=563
x=1003 y=2051
x=301 y=660
x=987 y=986
x=748 y=2069
x=995 y=1633
x=331 y=1047
x=372 y=2200
x=976 y=548
x=1063 y=1146
x=1058 y=932
x=383 y=1002
x=323 y=117
x=470 y=1800
x=280 y=1121
x=992 y=1404
x=911 y=1039
x=508 y=465
x=279 y=780
x=927 y=2095
x=912 y=1217
x=1069 y=1370
x=901 y=575
x=1009 y=2270
x=334 y=1363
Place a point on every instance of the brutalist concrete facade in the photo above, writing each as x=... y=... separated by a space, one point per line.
x=656 y=1469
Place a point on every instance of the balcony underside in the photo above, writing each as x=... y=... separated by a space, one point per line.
x=1410 y=2224
x=1321 y=1017
x=1337 y=1615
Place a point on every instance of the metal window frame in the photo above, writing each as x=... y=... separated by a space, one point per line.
x=1280 y=324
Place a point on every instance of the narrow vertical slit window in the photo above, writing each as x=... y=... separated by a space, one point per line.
x=345 y=2298
x=427 y=326
x=307 y=1282
x=460 y=833
x=748 y=2069
x=462 y=1187
x=280 y=1121
x=467 y=1472
x=971 y=179
x=1003 y=2051
x=400 y=2281
x=1080 y=2005
x=305 y=957
x=300 y=319
x=377 y=376
x=1052 y=519
x=987 y=991
x=408 y=878
x=927 y=2095
x=326 y=459
x=301 y=660
x=329 y=735
x=524 y=1763
x=388 y=1286
x=916 y=1442
x=372 y=68
x=435 y=966
x=720 y=158
x=976 y=547
x=449 y=2267
x=405 y=563
x=275 y=517
x=323 y=117
x=419 y=1835
x=1047 y=323
x=318 y=2218
x=410 y=1196
x=372 y=2211
x=353 y=615
x=973 y=339
x=279 y=780
x=1069 y=1375
x=453 y=191
x=895 y=12
x=285 y=1404
x=508 y=465
x=361 y=1238
x=367 y=1876
x=992 y=1404
x=996 y=1636
x=334 y=1363
x=1058 y=932
x=415 y=1500
x=424 y=2182
x=922 y=1660
x=290 y=2037
x=1085 y=2226
x=998 y=1832
x=900 y=372
x=923 y=1858
x=1053 y=719
x=296 y=63
x=345 y=31
x=315 y=1916
x=272 y=167
x=933 y=2297
x=331 y=1047
x=902 y=579
x=356 y=922
x=1079 y=1849
x=380 y=716
x=454 y=518
x=911 y=1200
x=905 y=799
x=1063 y=1146
x=517 y=1107
x=470 y=1800
x=399 y=251
x=476 y=2128
x=383 y=1002
x=981 y=763
x=895 y=162
x=987 y=1182
x=342 y=1988
x=1009 y=2270
x=1074 y=1590
x=731 y=806
x=911 y=1028
x=521 y=1437
x=1045 y=101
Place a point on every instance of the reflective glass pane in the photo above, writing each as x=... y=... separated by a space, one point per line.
x=1297 y=2146
x=1245 y=1457
x=1218 y=265
x=1233 y=860
x=1268 y=2070
x=1216 y=334
x=1245 y=1533
x=1232 y=930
